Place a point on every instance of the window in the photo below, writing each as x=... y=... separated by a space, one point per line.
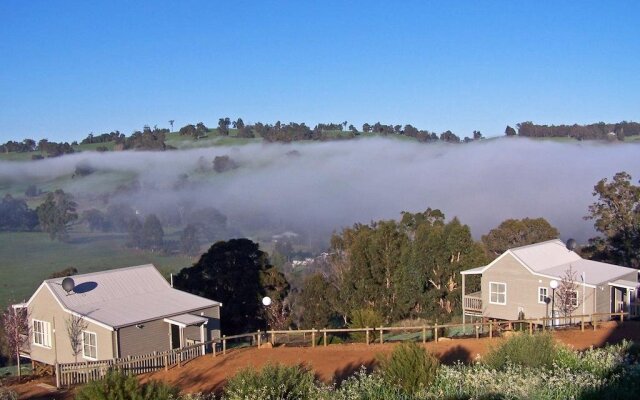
x=497 y=293
x=89 y=345
x=542 y=294
x=41 y=333
x=573 y=298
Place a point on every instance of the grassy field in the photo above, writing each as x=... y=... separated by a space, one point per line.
x=27 y=258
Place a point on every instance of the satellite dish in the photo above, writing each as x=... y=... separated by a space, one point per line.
x=266 y=301
x=68 y=284
x=571 y=244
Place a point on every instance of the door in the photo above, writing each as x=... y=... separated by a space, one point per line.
x=175 y=336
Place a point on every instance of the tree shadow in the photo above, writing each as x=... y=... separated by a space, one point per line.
x=351 y=369
x=454 y=355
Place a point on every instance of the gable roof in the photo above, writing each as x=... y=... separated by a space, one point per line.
x=125 y=296
x=552 y=259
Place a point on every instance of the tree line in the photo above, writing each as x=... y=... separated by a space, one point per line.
x=600 y=130
x=154 y=138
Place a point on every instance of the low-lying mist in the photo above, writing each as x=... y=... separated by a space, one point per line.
x=317 y=188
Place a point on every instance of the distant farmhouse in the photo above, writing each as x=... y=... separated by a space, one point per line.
x=128 y=311
x=520 y=283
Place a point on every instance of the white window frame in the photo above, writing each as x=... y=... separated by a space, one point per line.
x=546 y=294
x=498 y=293
x=575 y=303
x=84 y=354
x=44 y=334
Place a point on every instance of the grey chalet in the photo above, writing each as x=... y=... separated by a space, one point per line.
x=127 y=311
x=519 y=280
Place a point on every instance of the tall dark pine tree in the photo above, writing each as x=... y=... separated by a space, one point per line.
x=237 y=274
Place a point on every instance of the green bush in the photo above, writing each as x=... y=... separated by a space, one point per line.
x=274 y=381
x=409 y=367
x=538 y=350
x=118 y=386
x=7 y=394
x=365 y=318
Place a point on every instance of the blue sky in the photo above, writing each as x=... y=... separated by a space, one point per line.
x=71 y=68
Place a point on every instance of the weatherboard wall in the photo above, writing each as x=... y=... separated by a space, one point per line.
x=522 y=292
x=144 y=338
x=45 y=307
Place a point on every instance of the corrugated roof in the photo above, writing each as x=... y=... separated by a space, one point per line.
x=552 y=258
x=126 y=296
x=625 y=284
x=541 y=256
x=595 y=272
x=186 y=320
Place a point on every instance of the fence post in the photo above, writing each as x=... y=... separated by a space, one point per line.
x=582 y=323
x=490 y=330
x=324 y=334
x=530 y=328
x=594 y=321
x=259 y=338
x=224 y=344
x=622 y=317
x=57 y=368
x=367 y=335
x=381 y=336
x=435 y=333
x=313 y=337
x=477 y=332
x=273 y=339
x=424 y=334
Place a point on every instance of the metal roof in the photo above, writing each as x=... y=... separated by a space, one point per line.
x=625 y=284
x=126 y=296
x=185 y=320
x=541 y=256
x=552 y=258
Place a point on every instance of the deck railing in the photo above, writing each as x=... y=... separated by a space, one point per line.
x=472 y=302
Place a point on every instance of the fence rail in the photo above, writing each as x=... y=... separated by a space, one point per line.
x=82 y=372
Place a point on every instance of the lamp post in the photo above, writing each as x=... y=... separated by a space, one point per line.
x=554 y=286
x=547 y=300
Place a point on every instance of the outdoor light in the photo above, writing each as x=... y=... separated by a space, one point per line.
x=266 y=301
x=554 y=286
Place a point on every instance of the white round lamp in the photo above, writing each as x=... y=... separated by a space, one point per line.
x=553 y=284
x=266 y=301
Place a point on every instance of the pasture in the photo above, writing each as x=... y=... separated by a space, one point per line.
x=27 y=258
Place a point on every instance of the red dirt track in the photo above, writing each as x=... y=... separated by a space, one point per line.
x=335 y=362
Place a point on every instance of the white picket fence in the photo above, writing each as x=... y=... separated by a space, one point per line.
x=82 y=372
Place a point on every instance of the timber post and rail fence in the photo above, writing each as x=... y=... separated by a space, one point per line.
x=67 y=374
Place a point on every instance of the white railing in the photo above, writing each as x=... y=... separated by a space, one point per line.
x=473 y=302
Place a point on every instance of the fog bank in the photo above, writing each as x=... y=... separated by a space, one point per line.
x=318 y=188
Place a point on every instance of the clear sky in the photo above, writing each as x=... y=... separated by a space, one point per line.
x=71 y=68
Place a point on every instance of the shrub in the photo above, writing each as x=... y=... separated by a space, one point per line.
x=8 y=394
x=118 y=386
x=365 y=318
x=274 y=381
x=538 y=350
x=409 y=367
x=364 y=386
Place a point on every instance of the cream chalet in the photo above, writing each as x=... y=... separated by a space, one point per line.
x=521 y=281
x=128 y=311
